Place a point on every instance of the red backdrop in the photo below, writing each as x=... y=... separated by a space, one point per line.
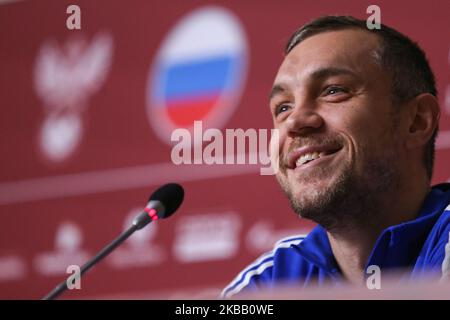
x=80 y=154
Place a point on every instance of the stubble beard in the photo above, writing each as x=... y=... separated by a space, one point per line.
x=351 y=201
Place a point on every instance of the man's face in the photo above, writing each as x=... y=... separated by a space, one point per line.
x=332 y=104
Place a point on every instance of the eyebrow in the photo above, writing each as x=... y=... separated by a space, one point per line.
x=276 y=89
x=318 y=74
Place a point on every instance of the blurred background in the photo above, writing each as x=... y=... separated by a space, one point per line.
x=86 y=117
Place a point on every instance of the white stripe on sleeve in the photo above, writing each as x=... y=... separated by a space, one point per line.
x=258 y=267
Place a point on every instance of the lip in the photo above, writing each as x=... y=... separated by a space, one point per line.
x=297 y=153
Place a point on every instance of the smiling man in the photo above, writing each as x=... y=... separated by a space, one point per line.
x=357 y=114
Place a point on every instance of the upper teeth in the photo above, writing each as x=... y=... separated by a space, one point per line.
x=307 y=157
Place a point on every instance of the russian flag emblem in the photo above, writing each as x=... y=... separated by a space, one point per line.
x=199 y=72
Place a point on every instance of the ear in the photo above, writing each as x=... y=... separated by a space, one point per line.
x=424 y=116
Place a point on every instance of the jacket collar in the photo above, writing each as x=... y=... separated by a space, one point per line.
x=397 y=246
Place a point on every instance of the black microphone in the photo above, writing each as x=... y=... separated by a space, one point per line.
x=162 y=204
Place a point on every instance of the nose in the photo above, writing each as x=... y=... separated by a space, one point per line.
x=303 y=120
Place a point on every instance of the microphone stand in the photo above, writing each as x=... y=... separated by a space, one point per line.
x=162 y=204
x=103 y=253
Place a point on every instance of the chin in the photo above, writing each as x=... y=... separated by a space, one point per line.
x=313 y=184
x=312 y=192
x=315 y=197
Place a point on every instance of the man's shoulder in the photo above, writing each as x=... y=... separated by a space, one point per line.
x=441 y=229
x=434 y=251
x=442 y=225
x=260 y=272
x=444 y=219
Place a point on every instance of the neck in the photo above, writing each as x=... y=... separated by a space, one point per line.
x=353 y=243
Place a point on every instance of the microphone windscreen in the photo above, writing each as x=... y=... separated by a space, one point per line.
x=171 y=195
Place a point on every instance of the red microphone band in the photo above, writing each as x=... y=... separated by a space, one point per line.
x=151 y=213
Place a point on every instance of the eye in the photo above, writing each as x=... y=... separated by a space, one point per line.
x=335 y=94
x=281 y=108
x=331 y=90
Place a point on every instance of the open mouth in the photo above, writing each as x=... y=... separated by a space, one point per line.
x=305 y=157
x=310 y=157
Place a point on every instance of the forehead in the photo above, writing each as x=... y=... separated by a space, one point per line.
x=351 y=49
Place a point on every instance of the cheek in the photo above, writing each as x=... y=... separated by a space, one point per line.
x=370 y=142
x=279 y=142
x=359 y=124
x=350 y=118
x=361 y=133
